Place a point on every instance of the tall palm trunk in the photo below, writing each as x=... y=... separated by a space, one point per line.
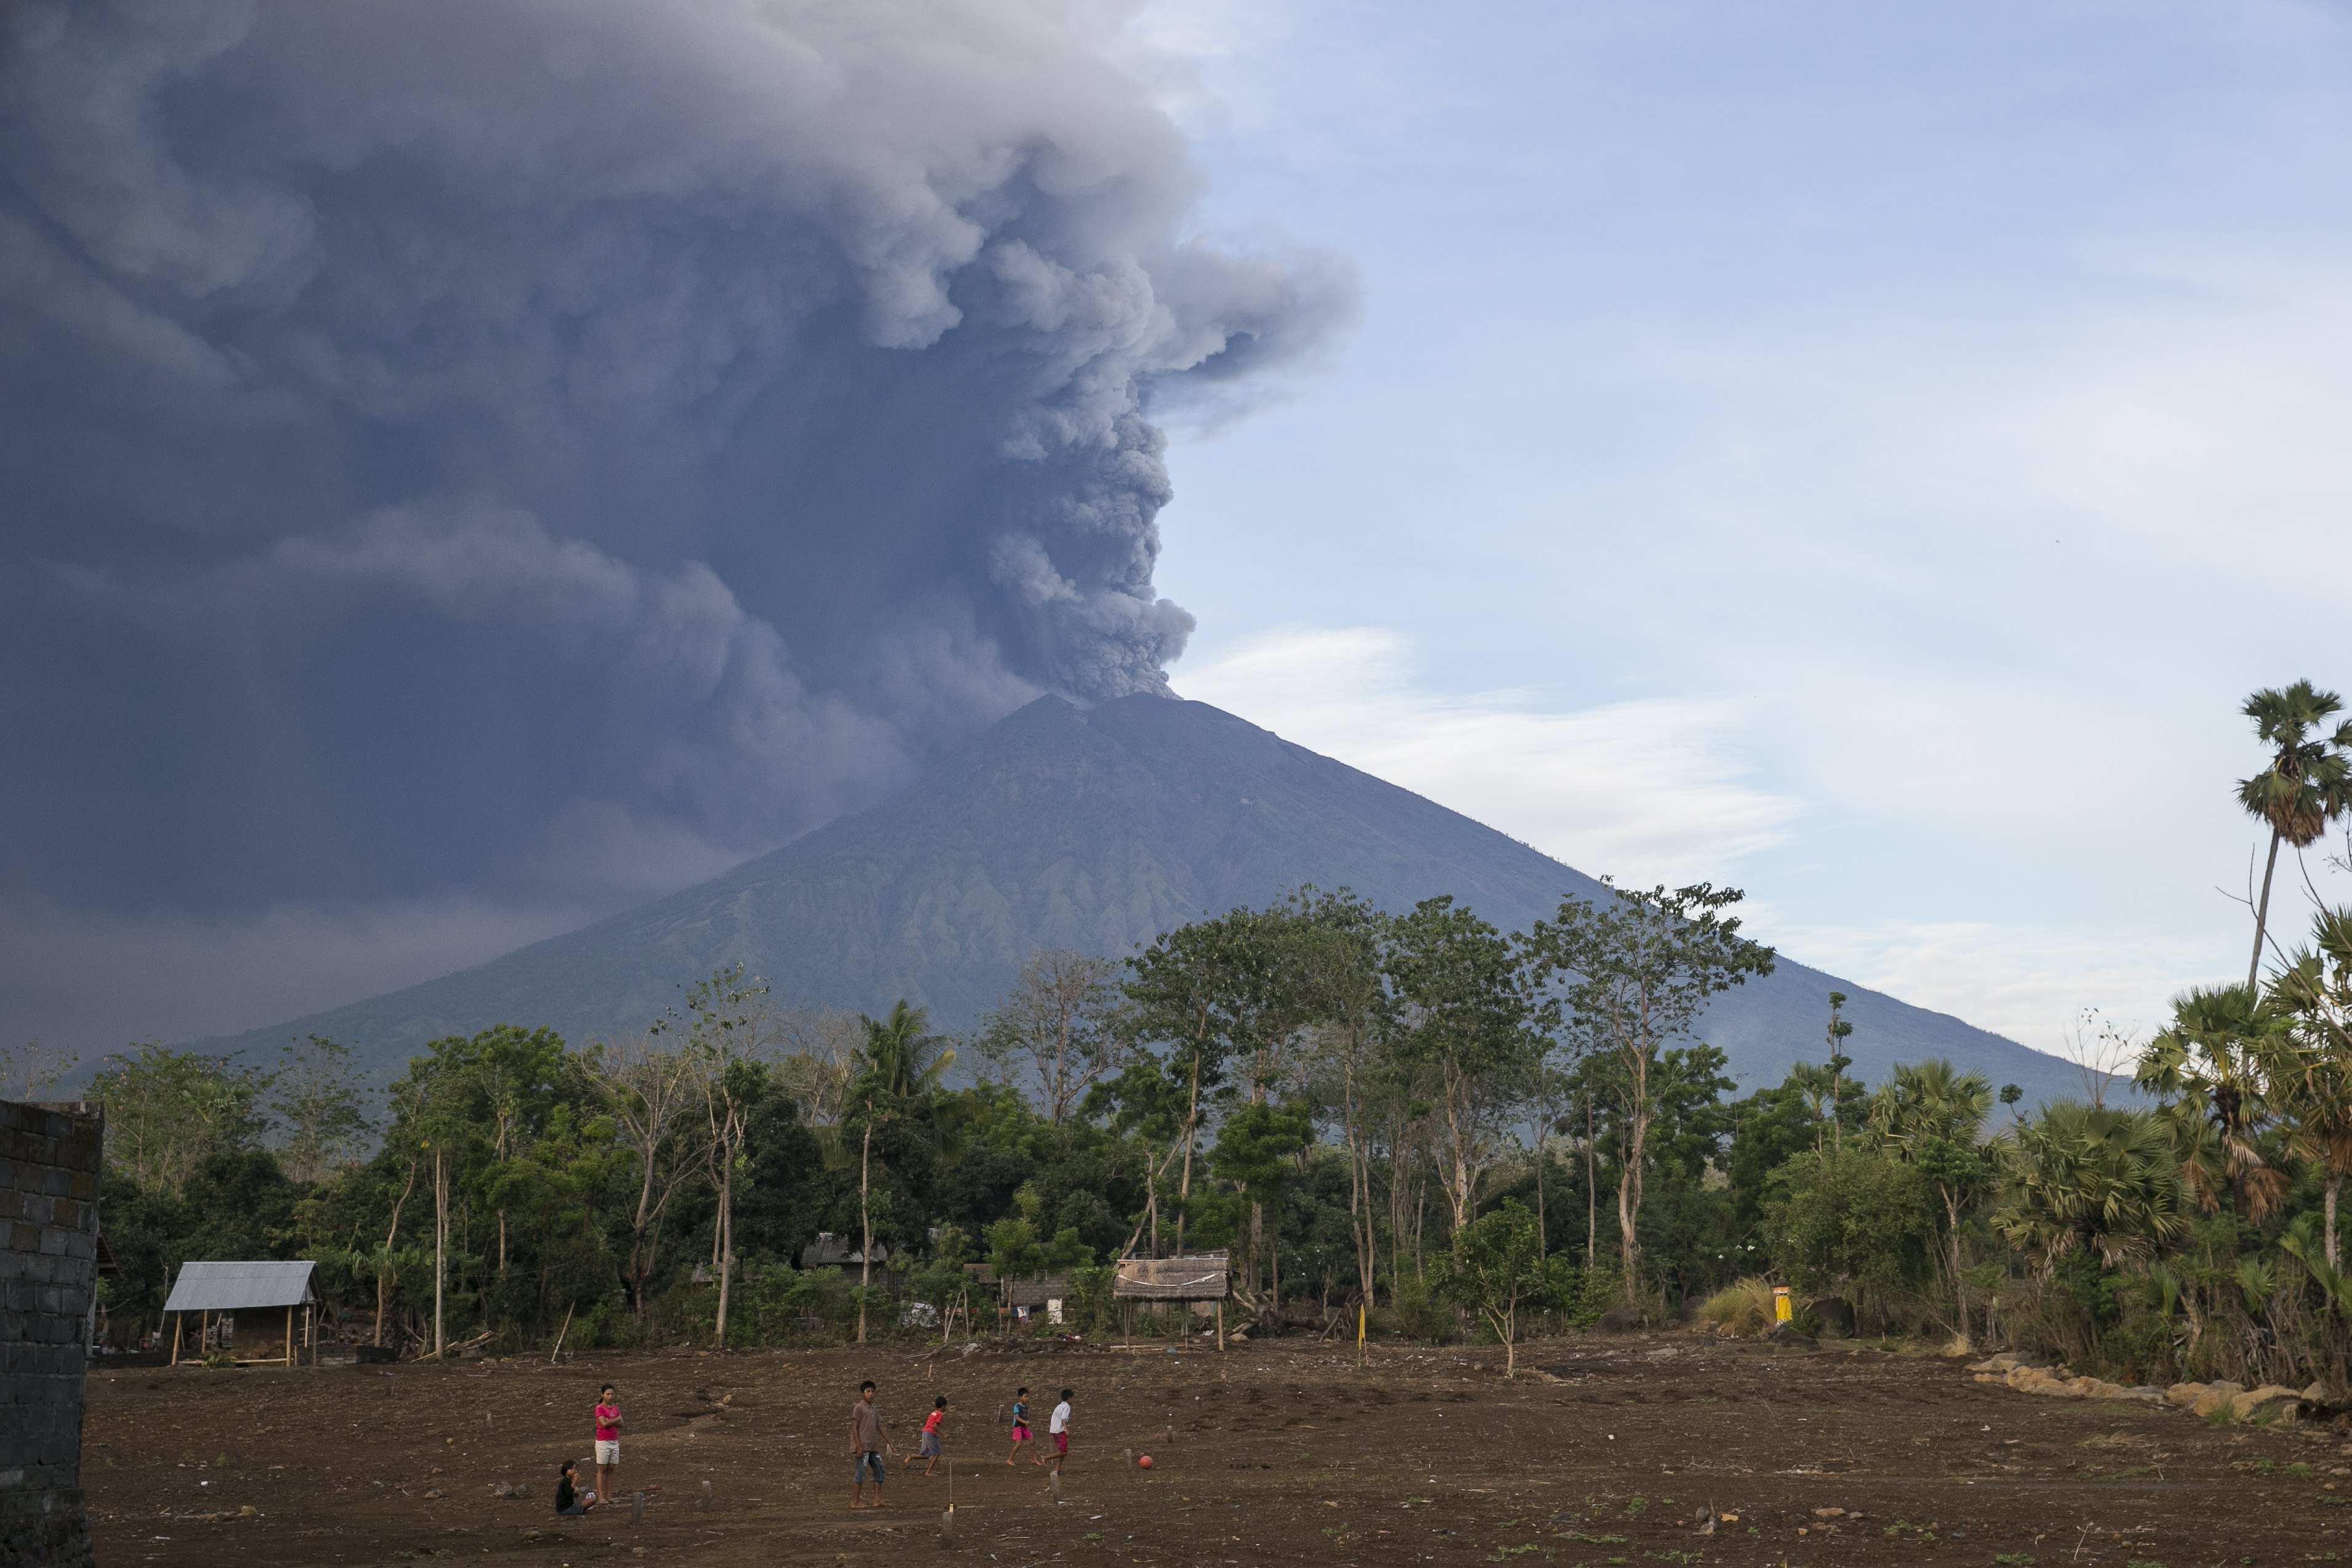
x=440 y=1243
x=2262 y=914
x=865 y=1219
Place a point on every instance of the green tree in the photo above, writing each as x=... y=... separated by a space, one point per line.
x=1632 y=976
x=1199 y=990
x=1857 y=1221
x=168 y=1111
x=1497 y=1269
x=1839 y=1030
x=2096 y=1182
x=321 y=1109
x=1258 y=1151
x=1932 y=1115
x=2307 y=784
x=1463 y=1009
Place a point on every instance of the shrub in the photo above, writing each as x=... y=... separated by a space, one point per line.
x=1421 y=1315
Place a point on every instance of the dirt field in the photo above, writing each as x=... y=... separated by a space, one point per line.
x=1603 y=1451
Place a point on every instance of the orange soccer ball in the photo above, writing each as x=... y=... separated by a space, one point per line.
x=1143 y=1461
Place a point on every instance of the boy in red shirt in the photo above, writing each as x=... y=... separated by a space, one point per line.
x=935 y=1431
x=608 y=1440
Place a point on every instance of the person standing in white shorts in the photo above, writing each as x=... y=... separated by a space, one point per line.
x=608 y=1440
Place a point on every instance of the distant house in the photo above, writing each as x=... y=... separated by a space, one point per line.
x=1029 y=1296
x=831 y=1251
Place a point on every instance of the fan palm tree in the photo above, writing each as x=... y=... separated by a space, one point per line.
x=2095 y=1180
x=1933 y=1115
x=2307 y=784
x=2219 y=1065
x=2316 y=989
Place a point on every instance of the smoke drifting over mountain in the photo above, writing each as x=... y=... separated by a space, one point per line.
x=511 y=458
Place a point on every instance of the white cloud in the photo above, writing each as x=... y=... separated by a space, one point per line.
x=2029 y=983
x=1649 y=791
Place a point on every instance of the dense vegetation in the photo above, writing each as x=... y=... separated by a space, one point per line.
x=1466 y=1130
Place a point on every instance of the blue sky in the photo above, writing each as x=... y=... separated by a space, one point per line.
x=1863 y=454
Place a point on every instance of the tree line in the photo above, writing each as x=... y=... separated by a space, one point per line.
x=1462 y=1129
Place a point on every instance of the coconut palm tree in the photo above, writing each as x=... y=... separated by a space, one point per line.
x=2217 y=1066
x=1932 y=1114
x=902 y=1059
x=2308 y=782
x=2096 y=1180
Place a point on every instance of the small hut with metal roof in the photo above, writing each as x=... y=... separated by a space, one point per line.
x=219 y=1293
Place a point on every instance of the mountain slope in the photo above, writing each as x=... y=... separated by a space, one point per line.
x=1096 y=830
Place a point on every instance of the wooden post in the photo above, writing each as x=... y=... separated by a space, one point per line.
x=636 y=1508
x=1221 y=1323
x=706 y=1497
x=177 y=1319
x=289 y=1336
x=204 y=1334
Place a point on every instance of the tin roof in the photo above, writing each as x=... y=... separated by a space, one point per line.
x=235 y=1287
x=1199 y=1277
x=1037 y=1292
x=831 y=1251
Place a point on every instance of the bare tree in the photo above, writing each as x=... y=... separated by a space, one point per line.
x=32 y=1069
x=1061 y=1027
x=651 y=1090
x=729 y=1022
x=818 y=1053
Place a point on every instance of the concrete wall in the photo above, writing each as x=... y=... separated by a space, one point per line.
x=48 y=1222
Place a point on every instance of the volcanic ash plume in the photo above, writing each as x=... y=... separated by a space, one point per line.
x=532 y=453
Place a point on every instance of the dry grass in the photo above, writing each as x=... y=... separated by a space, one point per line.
x=1745 y=1308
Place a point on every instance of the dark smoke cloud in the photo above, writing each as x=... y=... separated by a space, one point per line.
x=474 y=462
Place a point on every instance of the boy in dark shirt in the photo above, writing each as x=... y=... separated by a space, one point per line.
x=570 y=1501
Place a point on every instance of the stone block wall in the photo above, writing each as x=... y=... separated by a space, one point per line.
x=49 y=1242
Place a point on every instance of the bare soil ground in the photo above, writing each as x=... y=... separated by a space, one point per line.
x=1603 y=1451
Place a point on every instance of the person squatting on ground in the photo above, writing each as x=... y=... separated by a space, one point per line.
x=1020 y=1432
x=570 y=1501
x=935 y=1432
x=1059 y=1430
x=867 y=1443
x=608 y=1439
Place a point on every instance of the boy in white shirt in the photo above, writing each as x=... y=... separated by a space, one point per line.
x=1058 y=1430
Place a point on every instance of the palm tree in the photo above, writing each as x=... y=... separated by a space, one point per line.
x=2218 y=1063
x=2307 y=784
x=2093 y=1180
x=1933 y=1115
x=2315 y=990
x=901 y=1059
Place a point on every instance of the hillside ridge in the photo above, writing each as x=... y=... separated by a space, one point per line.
x=1094 y=829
